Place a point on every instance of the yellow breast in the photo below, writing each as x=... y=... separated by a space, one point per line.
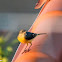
x=22 y=39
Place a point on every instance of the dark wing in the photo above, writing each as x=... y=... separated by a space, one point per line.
x=30 y=35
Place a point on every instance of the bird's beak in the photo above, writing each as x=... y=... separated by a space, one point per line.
x=39 y=4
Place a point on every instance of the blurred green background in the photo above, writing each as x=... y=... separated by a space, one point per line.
x=14 y=16
x=7 y=48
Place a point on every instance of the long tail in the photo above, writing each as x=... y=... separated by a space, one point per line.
x=41 y=33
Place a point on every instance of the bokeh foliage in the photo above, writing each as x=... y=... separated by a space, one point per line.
x=6 y=50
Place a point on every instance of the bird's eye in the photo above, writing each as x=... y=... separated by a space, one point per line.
x=22 y=31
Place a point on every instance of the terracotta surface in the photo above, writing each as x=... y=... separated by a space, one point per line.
x=45 y=48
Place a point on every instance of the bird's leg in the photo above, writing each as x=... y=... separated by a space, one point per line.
x=29 y=47
x=25 y=50
x=25 y=47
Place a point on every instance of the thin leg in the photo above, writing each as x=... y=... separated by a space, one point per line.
x=25 y=50
x=29 y=47
x=25 y=47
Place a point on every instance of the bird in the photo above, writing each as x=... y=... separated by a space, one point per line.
x=27 y=37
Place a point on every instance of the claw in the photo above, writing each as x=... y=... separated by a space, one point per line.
x=24 y=51
x=28 y=50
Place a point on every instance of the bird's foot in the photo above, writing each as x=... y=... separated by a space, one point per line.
x=25 y=51
x=28 y=50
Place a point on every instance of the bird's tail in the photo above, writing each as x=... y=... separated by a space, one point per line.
x=41 y=33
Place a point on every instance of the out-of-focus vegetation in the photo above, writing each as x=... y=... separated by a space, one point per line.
x=6 y=48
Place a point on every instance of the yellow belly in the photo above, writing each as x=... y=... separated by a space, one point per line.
x=22 y=40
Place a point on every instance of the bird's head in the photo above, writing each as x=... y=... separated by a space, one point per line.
x=21 y=33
